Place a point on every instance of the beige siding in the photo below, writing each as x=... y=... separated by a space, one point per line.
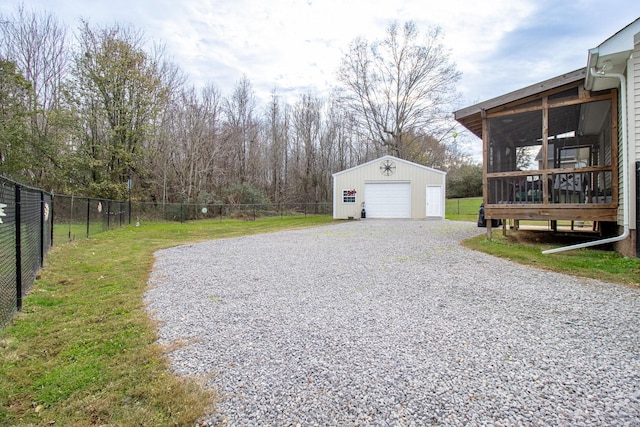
x=356 y=178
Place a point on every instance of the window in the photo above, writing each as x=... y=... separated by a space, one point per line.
x=348 y=196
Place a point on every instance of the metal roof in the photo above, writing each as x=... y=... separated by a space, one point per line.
x=471 y=117
x=396 y=159
x=610 y=56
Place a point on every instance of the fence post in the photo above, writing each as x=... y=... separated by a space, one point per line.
x=18 y=250
x=51 y=219
x=88 y=214
x=41 y=219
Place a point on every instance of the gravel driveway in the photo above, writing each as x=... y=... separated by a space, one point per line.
x=393 y=323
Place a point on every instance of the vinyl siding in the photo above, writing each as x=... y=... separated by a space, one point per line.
x=634 y=124
x=634 y=76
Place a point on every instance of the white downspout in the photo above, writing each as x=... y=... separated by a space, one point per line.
x=625 y=171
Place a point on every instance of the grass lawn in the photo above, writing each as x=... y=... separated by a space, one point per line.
x=463 y=209
x=525 y=247
x=82 y=352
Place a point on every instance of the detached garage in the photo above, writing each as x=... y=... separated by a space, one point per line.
x=389 y=187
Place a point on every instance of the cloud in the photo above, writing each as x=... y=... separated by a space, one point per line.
x=294 y=45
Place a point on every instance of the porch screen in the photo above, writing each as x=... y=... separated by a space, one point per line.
x=558 y=153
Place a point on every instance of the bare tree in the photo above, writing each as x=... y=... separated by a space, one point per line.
x=192 y=144
x=399 y=86
x=277 y=134
x=524 y=159
x=241 y=130
x=307 y=129
x=36 y=43
x=340 y=130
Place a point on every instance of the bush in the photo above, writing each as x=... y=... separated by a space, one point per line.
x=244 y=194
x=464 y=181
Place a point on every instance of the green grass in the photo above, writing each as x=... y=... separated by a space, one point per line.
x=525 y=247
x=83 y=350
x=463 y=209
x=65 y=232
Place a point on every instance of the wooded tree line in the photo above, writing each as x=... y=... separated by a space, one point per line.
x=97 y=112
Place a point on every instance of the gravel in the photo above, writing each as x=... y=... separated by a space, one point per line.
x=393 y=323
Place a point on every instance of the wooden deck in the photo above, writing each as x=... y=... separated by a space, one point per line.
x=571 y=212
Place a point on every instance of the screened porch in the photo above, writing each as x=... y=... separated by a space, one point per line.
x=549 y=155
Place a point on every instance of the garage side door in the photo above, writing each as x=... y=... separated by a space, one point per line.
x=434 y=201
x=388 y=200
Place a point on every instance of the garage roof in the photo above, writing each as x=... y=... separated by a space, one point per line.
x=395 y=159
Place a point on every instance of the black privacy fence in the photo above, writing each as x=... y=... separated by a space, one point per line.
x=25 y=238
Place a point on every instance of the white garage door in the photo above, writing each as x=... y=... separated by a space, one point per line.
x=388 y=200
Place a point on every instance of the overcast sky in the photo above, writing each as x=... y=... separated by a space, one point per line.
x=296 y=45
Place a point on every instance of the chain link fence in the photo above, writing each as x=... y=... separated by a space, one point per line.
x=81 y=217
x=32 y=220
x=193 y=211
x=25 y=238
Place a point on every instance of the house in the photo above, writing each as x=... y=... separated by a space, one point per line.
x=389 y=187
x=568 y=148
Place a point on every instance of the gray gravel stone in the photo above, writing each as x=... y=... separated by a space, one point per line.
x=393 y=323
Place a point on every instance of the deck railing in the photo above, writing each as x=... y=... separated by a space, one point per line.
x=571 y=186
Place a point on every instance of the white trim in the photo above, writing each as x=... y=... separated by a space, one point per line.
x=396 y=159
x=441 y=201
x=355 y=196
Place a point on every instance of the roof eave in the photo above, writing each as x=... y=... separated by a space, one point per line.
x=471 y=114
x=611 y=56
x=390 y=157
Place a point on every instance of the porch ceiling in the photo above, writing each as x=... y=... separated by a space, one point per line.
x=471 y=117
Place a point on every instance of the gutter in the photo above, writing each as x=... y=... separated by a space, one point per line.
x=625 y=169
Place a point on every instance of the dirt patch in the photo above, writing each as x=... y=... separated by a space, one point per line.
x=546 y=237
